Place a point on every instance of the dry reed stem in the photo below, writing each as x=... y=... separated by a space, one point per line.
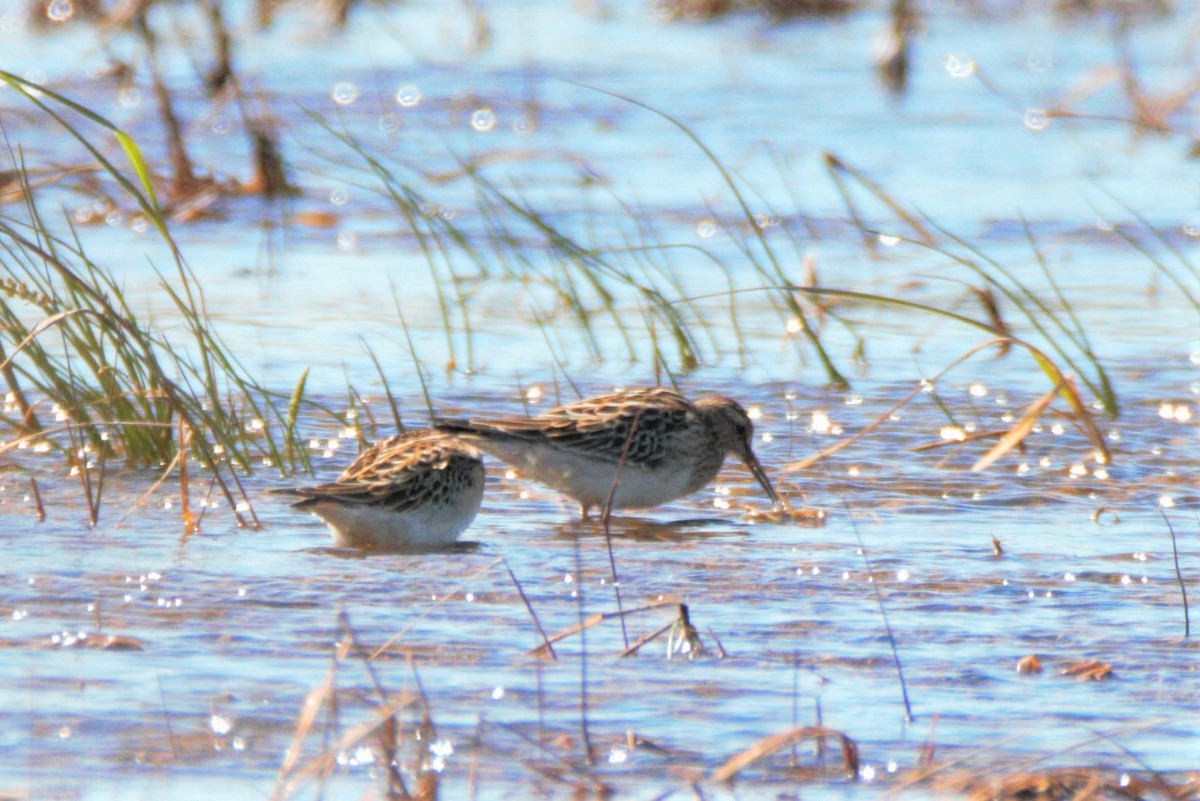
x=973 y=436
x=190 y=526
x=37 y=500
x=313 y=701
x=645 y=638
x=599 y=617
x=529 y=608
x=838 y=446
x=836 y=165
x=606 y=518
x=154 y=487
x=1068 y=784
x=777 y=742
x=350 y=738
x=1016 y=435
x=396 y=637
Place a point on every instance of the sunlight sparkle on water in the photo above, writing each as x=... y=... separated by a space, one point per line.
x=706 y=228
x=953 y=434
x=1179 y=412
x=344 y=93
x=888 y=240
x=1036 y=119
x=60 y=11
x=483 y=120
x=959 y=67
x=408 y=95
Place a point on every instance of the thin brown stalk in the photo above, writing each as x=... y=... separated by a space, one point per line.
x=327 y=759
x=1187 y=623
x=606 y=517
x=37 y=499
x=836 y=165
x=185 y=502
x=645 y=638
x=777 y=742
x=184 y=181
x=153 y=487
x=162 y=698
x=398 y=635
x=585 y=738
x=1016 y=435
x=529 y=608
x=843 y=444
x=597 y=618
x=973 y=436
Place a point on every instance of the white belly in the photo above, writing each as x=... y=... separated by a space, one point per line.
x=375 y=528
x=589 y=481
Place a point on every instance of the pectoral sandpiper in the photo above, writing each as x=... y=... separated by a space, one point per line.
x=654 y=443
x=417 y=490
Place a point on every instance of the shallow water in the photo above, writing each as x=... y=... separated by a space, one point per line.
x=235 y=627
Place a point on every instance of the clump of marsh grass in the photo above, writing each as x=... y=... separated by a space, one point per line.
x=632 y=285
x=86 y=377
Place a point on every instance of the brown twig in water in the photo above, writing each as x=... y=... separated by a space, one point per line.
x=396 y=637
x=585 y=738
x=185 y=502
x=600 y=617
x=836 y=166
x=838 y=446
x=645 y=638
x=37 y=500
x=777 y=742
x=721 y=653
x=529 y=608
x=184 y=182
x=606 y=518
x=162 y=697
x=1187 y=624
x=887 y=626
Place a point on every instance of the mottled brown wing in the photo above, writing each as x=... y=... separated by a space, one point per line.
x=601 y=426
x=398 y=473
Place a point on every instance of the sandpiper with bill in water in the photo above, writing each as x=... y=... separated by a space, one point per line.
x=653 y=444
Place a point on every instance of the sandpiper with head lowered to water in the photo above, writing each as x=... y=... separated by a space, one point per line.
x=420 y=489
x=654 y=444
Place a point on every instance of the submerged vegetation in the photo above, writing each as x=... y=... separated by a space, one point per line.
x=134 y=381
